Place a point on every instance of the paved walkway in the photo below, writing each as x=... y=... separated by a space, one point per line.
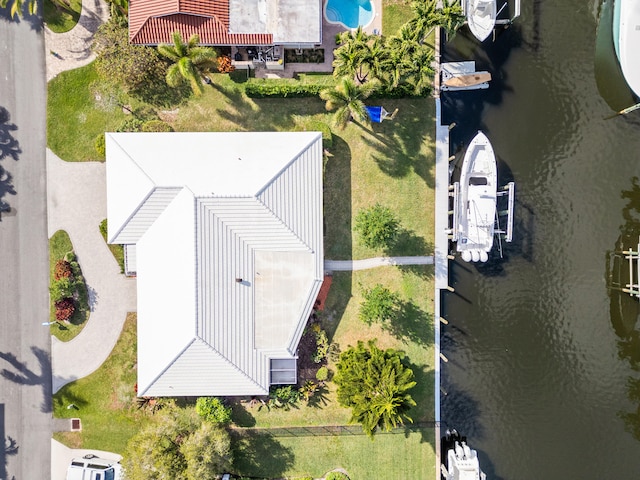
x=65 y=51
x=350 y=265
x=77 y=204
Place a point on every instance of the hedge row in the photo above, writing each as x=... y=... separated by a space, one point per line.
x=283 y=88
x=275 y=88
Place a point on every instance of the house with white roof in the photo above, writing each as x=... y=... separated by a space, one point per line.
x=225 y=234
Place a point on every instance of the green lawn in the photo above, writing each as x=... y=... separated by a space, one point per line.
x=79 y=108
x=105 y=400
x=59 y=246
x=395 y=13
x=389 y=456
x=60 y=20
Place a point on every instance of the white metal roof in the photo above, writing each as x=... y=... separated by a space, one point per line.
x=228 y=228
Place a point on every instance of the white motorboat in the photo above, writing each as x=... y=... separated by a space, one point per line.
x=463 y=463
x=477 y=201
x=481 y=17
x=626 y=38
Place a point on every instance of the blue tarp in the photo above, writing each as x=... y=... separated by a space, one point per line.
x=376 y=114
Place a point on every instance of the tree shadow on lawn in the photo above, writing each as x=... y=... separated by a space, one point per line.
x=338 y=236
x=411 y=324
x=398 y=147
x=407 y=243
x=241 y=416
x=260 y=455
x=265 y=114
x=65 y=397
x=422 y=414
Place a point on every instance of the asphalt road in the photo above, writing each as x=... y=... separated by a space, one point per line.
x=25 y=346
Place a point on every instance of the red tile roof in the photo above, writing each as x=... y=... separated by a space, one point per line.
x=153 y=21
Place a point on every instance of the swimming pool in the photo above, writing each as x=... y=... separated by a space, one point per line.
x=350 y=13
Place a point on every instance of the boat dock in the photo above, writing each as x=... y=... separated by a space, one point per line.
x=441 y=258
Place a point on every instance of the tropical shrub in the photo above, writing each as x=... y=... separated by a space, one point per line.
x=377 y=226
x=336 y=476
x=283 y=397
x=375 y=383
x=380 y=304
x=62 y=269
x=322 y=347
x=156 y=126
x=322 y=374
x=224 y=64
x=308 y=390
x=100 y=145
x=62 y=288
x=213 y=410
x=130 y=125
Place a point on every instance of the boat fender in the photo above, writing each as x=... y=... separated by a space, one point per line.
x=484 y=256
x=466 y=255
x=475 y=255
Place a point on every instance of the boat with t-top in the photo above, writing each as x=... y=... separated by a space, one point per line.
x=477 y=200
x=462 y=461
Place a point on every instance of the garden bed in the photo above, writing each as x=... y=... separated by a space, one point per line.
x=69 y=312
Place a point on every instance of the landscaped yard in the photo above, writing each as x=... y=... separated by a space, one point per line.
x=60 y=247
x=390 y=163
x=105 y=400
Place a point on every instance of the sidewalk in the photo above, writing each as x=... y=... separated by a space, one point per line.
x=73 y=48
x=77 y=203
x=348 y=265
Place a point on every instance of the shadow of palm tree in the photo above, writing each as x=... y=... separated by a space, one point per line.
x=22 y=375
x=320 y=397
x=398 y=144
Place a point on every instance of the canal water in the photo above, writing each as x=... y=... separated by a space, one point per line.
x=544 y=359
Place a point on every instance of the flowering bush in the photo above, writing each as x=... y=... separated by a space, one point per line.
x=64 y=309
x=224 y=64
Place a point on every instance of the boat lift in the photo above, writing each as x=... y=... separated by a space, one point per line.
x=633 y=257
x=508 y=191
x=463 y=76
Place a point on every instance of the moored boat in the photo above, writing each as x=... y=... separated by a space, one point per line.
x=462 y=461
x=481 y=17
x=626 y=39
x=477 y=203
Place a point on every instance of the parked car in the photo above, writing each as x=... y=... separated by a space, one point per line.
x=91 y=467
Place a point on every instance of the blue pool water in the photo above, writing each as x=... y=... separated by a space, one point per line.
x=350 y=13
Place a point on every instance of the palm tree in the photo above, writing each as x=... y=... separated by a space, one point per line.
x=17 y=6
x=425 y=19
x=189 y=59
x=450 y=17
x=347 y=98
x=350 y=59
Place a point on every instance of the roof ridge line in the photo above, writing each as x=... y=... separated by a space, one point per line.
x=168 y=366
x=224 y=357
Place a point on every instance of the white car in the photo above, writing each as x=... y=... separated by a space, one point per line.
x=91 y=467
